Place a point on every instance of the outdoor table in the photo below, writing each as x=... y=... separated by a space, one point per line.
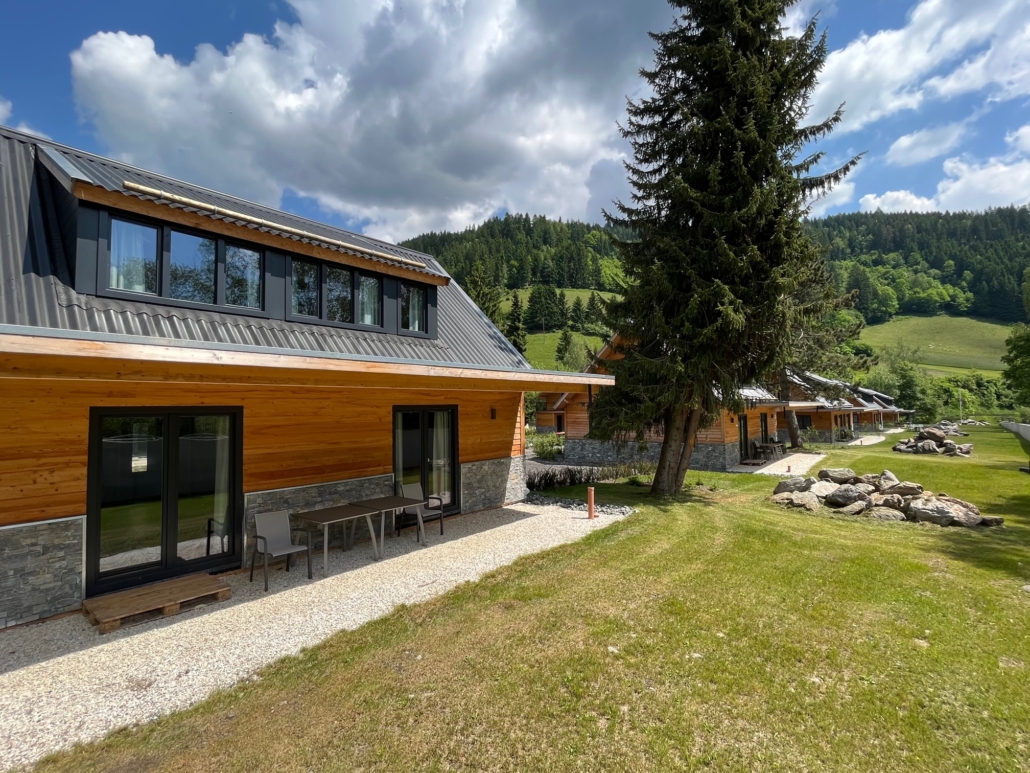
x=777 y=450
x=339 y=514
x=386 y=505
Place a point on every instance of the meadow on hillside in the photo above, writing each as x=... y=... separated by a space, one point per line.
x=947 y=345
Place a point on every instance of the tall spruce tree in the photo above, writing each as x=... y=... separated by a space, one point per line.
x=485 y=293
x=577 y=314
x=515 y=330
x=565 y=344
x=720 y=187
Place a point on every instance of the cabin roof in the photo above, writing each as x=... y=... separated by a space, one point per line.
x=37 y=294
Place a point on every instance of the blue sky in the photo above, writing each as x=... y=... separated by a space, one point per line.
x=400 y=116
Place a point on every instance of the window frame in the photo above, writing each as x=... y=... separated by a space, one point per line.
x=164 y=267
x=427 y=295
x=323 y=267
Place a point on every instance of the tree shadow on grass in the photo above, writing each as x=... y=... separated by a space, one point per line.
x=1000 y=549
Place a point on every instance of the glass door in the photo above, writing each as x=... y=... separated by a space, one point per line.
x=425 y=451
x=165 y=489
x=742 y=424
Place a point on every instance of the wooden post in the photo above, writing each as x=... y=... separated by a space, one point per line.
x=590 y=504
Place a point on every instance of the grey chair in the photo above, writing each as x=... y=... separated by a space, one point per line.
x=217 y=528
x=428 y=513
x=274 y=532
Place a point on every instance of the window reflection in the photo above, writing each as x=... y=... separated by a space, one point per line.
x=413 y=308
x=305 y=288
x=242 y=277
x=339 y=291
x=192 y=273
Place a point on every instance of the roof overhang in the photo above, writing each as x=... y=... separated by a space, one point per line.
x=66 y=354
x=224 y=225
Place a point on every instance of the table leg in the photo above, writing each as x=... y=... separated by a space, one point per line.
x=372 y=535
x=325 y=550
x=382 y=530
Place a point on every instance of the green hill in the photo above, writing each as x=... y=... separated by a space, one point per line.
x=947 y=345
x=540 y=348
x=570 y=295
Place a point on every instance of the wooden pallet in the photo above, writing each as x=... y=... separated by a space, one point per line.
x=167 y=597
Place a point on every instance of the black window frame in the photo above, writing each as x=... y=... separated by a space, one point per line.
x=401 y=330
x=97 y=583
x=164 y=267
x=455 y=507
x=323 y=267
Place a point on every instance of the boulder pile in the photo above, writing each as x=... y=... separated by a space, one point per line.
x=935 y=440
x=880 y=496
x=974 y=423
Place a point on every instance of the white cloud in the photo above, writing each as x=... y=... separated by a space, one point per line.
x=926 y=144
x=838 y=197
x=894 y=70
x=896 y=201
x=969 y=184
x=5 y=109
x=427 y=114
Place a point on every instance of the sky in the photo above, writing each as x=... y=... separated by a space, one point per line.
x=397 y=117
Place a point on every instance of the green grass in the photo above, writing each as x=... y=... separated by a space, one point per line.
x=138 y=525
x=541 y=348
x=710 y=632
x=570 y=295
x=948 y=345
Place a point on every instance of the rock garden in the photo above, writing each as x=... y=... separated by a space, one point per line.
x=936 y=440
x=882 y=496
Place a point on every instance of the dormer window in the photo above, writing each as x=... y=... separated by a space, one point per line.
x=242 y=277
x=192 y=269
x=413 y=308
x=305 y=288
x=370 y=305
x=133 y=257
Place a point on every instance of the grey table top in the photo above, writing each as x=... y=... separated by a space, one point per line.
x=389 y=503
x=335 y=514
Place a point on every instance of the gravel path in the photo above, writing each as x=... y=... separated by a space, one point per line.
x=792 y=464
x=62 y=683
x=869 y=440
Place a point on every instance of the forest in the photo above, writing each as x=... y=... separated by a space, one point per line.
x=963 y=263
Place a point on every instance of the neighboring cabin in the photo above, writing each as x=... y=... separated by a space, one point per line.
x=853 y=409
x=175 y=360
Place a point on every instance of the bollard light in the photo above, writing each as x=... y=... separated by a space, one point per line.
x=590 y=503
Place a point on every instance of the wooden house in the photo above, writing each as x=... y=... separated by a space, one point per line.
x=834 y=410
x=731 y=439
x=175 y=360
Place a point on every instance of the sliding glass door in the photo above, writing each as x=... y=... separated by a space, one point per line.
x=425 y=451
x=165 y=491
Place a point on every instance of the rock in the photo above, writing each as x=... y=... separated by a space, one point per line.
x=884 y=514
x=865 y=488
x=847 y=495
x=924 y=510
x=805 y=500
x=824 y=488
x=927 y=447
x=892 y=501
x=887 y=479
x=966 y=448
x=967 y=505
x=790 y=486
x=950 y=444
x=964 y=517
x=901 y=448
x=905 y=489
x=992 y=520
x=937 y=436
x=783 y=498
x=855 y=508
x=837 y=474
x=870 y=479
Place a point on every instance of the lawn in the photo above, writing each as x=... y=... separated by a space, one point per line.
x=570 y=295
x=714 y=631
x=541 y=348
x=948 y=345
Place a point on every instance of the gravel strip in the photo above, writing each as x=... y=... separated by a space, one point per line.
x=62 y=683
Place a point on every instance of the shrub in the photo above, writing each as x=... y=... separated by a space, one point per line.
x=559 y=477
x=549 y=445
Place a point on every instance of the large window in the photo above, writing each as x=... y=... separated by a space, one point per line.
x=370 y=301
x=183 y=267
x=339 y=292
x=133 y=257
x=305 y=288
x=335 y=294
x=413 y=308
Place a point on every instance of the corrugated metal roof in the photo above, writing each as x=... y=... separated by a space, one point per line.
x=36 y=288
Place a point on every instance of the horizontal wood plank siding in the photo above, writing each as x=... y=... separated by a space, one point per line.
x=293 y=436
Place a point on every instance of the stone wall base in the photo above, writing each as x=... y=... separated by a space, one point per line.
x=594 y=453
x=493 y=483
x=40 y=570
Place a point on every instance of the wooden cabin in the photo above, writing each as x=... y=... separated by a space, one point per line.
x=175 y=360
x=725 y=444
x=853 y=409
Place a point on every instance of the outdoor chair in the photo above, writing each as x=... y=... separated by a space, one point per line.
x=429 y=513
x=217 y=528
x=274 y=538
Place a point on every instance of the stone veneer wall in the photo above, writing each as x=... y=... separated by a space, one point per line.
x=40 y=570
x=301 y=499
x=493 y=483
x=594 y=453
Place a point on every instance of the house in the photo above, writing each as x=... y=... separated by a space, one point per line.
x=175 y=360
x=832 y=409
x=719 y=447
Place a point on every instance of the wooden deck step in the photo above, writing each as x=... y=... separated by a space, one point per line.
x=109 y=611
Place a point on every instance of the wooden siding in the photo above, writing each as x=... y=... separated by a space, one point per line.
x=293 y=436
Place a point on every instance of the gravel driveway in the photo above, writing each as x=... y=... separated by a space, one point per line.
x=62 y=683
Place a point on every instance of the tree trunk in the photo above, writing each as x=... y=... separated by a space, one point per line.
x=665 y=483
x=689 y=440
x=789 y=415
